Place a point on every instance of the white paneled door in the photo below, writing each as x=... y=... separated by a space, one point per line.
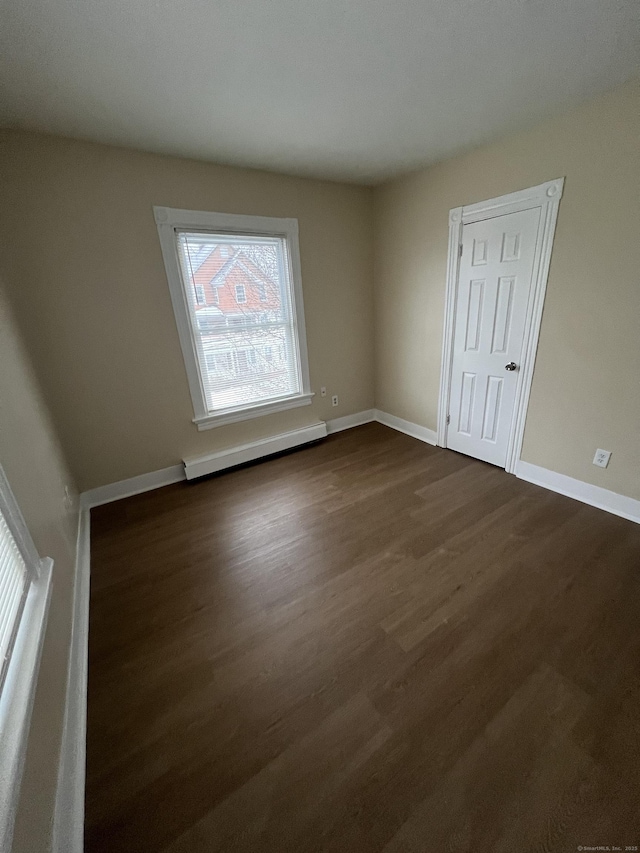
x=494 y=285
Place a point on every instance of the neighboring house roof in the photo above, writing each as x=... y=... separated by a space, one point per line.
x=198 y=256
x=219 y=278
x=216 y=271
x=209 y=267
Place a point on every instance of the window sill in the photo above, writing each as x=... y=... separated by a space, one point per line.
x=17 y=698
x=232 y=416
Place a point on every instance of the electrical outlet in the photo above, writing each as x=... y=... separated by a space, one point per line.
x=601 y=459
x=334 y=400
x=323 y=391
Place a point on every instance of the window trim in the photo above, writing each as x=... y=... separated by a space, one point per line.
x=19 y=687
x=168 y=221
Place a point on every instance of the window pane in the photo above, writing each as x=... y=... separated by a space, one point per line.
x=239 y=296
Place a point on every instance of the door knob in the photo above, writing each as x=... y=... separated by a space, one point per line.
x=511 y=366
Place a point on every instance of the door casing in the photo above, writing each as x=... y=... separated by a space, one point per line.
x=547 y=197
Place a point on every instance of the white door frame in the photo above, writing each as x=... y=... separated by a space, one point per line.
x=547 y=197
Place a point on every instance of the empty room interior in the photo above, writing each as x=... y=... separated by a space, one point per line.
x=319 y=426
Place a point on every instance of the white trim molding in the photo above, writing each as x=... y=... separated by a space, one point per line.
x=170 y=222
x=247 y=453
x=547 y=197
x=23 y=657
x=453 y=263
x=579 y=490
x=18 y=693
x=68 y=818
x=407 y=427
x=214 y=462
x=350 y=421
x=245 y=414
x=132 y=486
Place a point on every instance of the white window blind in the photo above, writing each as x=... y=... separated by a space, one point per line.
x=25 y=588
x=14 y=583
x=244 y=330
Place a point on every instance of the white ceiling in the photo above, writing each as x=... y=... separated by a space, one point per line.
x=358 y=90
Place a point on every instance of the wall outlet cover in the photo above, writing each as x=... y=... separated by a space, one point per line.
x=601 y=459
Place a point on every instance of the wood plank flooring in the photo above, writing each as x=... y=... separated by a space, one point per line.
x=367 y=645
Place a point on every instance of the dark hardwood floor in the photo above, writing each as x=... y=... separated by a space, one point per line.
x=367 y=645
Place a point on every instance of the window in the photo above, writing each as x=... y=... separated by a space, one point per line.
x=25 y=584
x=242 y=361
x=14 y=582
x=200 y=295
x=19 y=566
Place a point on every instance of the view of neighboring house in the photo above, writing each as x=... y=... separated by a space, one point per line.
x=242 y=319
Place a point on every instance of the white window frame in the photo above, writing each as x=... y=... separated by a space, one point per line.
x=241 y=287
x=169 y=220
x=201 y=298
x=19 y=686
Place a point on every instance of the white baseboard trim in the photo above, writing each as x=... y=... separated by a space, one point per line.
x=581 y=491
x=68 y=818
x=349 y=421
x=132 y=486
x=246 y=453
x=214 y=462
x=429 y=436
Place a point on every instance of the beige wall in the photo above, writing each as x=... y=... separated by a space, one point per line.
x=84 y=274
x=83 y=264
x=84 y=270
x=36 y=469
x=586 y=392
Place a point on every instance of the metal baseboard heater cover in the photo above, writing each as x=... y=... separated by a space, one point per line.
x=212 y=462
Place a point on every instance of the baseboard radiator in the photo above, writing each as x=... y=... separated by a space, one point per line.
x=213 y=462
